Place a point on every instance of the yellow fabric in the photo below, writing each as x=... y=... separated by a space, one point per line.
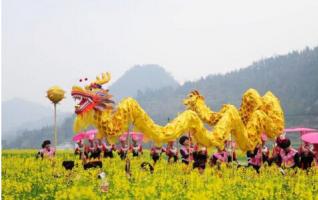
x=256 y=115
x=113 y=124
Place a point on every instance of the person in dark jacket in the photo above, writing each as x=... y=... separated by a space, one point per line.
x=289 y=156
x=200 y=157
x=306 y=156
x=186 y=150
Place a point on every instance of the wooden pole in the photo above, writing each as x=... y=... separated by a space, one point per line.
x=190 y=143
x=55 y=127
x=232 y=152
x=127 y=164
x=128 y=142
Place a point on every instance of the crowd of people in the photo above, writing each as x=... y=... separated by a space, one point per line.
x=282 y=154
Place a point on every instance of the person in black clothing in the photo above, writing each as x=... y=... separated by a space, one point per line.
x=306 y=157
x=172 y=152
x=108 y=150
x=123 y=149
x=135 y=148
x=289 y=156
x=155 y=153
x=255 y=158
x=275 y=158
x=200 y=158
x=185 y=150
x=95 y=151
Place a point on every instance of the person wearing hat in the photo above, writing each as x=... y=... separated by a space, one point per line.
x=108 y=150
x=275 y=158
x=135 y=148
x=186 y=150
x=47 y=151
x=289 y=156
x=155 y=153
x=306 y=156
x=92 y=151
x=123 y=149
x=255 y=158
x=200 y=156
x=221 y=156
x=80 y=149
x=260 y=154
x=172 y=152
x=265 y=149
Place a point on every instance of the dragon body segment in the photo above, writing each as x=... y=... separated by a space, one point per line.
x=257 y=114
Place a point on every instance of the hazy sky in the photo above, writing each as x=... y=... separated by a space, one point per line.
x=59 y=41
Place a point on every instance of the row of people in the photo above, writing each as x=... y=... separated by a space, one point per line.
x=283 y=154
x=199 y=155
x=96 y=148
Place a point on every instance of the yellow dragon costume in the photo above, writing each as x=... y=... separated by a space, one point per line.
x=257 y=115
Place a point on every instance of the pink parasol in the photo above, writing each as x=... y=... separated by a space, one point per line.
x=134 y=135
x=90 y=134
x=78 y=137
x=302 y=130
x=310 y=138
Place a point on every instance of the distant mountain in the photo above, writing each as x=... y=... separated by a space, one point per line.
x=19 y=115
x=140 y=78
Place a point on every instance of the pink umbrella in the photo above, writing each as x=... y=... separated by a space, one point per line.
x=310 y=138
x=78 y=137
x=134 y=135
x=90 y=134
x=302 y=130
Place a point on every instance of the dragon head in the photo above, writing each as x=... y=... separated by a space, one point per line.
x=92 y=96
x=192 y=98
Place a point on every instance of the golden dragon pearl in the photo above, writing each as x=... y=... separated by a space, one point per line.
x=55 y=94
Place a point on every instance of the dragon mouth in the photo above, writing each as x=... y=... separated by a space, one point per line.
x=81 y=102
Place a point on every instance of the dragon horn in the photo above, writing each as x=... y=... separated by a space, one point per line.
x=105 y=78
